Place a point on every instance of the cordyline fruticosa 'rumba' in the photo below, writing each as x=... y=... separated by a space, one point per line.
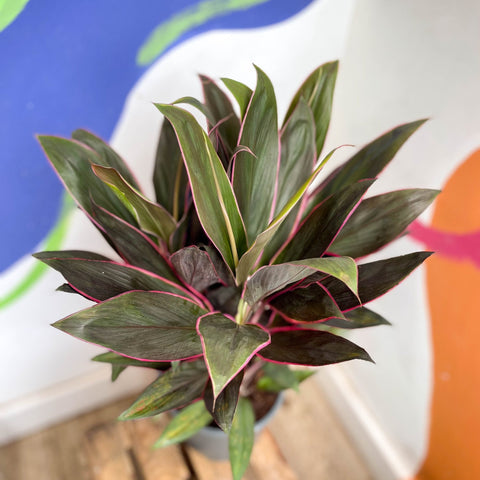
x=237 y=268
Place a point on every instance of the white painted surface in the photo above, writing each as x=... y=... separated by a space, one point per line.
x=404 y=61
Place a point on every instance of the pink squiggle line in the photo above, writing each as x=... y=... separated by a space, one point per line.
x=456 y=246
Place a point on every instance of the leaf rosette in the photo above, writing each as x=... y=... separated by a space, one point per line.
x=240 y=267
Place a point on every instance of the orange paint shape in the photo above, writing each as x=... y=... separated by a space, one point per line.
x=454 y=300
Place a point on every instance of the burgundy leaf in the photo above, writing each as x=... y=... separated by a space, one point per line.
x=311 y=347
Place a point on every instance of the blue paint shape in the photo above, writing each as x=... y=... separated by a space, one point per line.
x=66 y=65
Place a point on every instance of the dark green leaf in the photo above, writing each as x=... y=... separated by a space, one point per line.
x=152 y=218
x=359 y=318
x=254 y=178
x=375 y=279
x=225 y=121
x=73 y=163
x=307 y=304
x=241 y=92
x=143 y=325
x=66 y=288
x=221 y=268
x=311 y=347
x=223 y=408
x=194 y=102
x=132 y=244
x=119 y=360
x=367 y=163
x=214 y=199
x=182 y=426
x=241 y=437
x=272 y=278
x=81 y=254
x=119 y=363
x=173 y=389
x=297 y=161
x=100 y=279
x=317 y=91
x=250 y=258
x=319 y=229
x=195 y=267
x=108 y=156
x=116 y=371
x=228 y=347
x=379 y=220
x=169 y=174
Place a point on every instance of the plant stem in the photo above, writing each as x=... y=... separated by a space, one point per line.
x=242 y=312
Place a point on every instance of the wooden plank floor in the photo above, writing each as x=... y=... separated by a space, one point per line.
x=304 y=442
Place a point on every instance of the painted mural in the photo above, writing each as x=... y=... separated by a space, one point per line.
x=74 y=68
x=453 y=280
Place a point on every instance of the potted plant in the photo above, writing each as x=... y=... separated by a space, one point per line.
x=241 y=267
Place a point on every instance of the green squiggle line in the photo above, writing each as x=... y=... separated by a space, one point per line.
x=9 y=11
x=53 y=241
x=166 y=33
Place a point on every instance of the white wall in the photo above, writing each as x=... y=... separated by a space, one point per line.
x=404 y=61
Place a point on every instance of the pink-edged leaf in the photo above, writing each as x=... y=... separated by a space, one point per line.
x=307 y=304
x=241 y=438
x=212 y=193
x=312 y=348
x=169 y=175
x=152 y=218
x=220 y=266
x=228 y=347
x=143 y=325
x=110 y=158
x=223 y=408
x=134 y=246
x=249 y=260
x=194 y=102
x=225 y=121
x=175 y=388
x=272 y=278
x=119 y=360
x=379 y=220
x=119 y=363
x=375 y=279
x=241 y=92
x=359 y=318
x=320 y=228
x=317 y=92
x=254 y=178
x=73 y=164
x=367 y=163
x=102 y=279
x=66 y=288
x=195 y=267
x=297 y=160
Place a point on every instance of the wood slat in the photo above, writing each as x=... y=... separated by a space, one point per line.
x=266 y=463
x=303 y=442
x=160 y=464
x=312 y=440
